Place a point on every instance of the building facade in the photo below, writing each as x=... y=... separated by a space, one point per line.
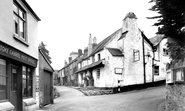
x=124 y=58
x=18 y=56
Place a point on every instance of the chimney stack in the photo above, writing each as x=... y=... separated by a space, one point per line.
x=79 y=52
x=129 y=22
x=85 y=50
x=65 y=62
x=94 y=40
x=90 y=39
x=70 y=58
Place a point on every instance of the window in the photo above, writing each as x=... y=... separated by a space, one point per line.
x=3 y=80
x=98 y=74
x=93 y=60
x=156 y=70
x=165 y=52
x=27 y=82
x=136 y=55
x=19 y=22
x=99 y=57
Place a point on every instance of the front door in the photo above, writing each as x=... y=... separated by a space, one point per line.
x=47 y=88
x=14 y=86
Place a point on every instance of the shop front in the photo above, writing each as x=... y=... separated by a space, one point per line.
x=17 y=73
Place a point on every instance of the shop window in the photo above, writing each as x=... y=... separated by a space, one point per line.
x=19 y=22
x=3 y=80
x=136 y=55
x=98 y=73
x=27 y=82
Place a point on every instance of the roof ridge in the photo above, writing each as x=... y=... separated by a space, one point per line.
x=103 y=42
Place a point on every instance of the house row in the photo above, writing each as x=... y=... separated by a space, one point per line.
x=126 y=57
x=25 y=73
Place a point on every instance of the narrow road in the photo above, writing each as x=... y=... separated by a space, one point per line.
x=139 y=100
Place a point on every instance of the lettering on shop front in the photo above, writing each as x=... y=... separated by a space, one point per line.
x=10 y=52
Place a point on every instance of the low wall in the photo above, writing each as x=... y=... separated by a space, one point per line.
x=175 y=97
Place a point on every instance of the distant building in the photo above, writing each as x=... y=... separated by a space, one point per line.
x=68 y=74
x=18 y=56
x=161 y=56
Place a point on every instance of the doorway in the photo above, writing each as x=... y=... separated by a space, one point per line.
x=14 y=86
x=47 y=88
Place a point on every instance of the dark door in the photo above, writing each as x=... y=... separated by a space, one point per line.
x=47 y=88
x=14 y=86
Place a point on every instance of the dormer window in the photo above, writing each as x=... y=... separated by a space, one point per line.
x=19 y=22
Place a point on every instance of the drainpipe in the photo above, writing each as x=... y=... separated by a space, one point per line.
x=144 y=68
x=153 y=48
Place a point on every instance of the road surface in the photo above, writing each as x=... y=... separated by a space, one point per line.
x=150 y=99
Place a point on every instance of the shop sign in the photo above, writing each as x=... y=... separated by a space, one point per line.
x=118 y=70
x=15 y=54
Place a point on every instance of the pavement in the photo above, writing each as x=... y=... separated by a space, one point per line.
x=72 y=99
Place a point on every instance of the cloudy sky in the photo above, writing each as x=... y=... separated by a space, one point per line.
x=66 y=24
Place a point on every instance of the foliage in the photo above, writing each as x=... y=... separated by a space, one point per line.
x=171 y=23
x=42 y=46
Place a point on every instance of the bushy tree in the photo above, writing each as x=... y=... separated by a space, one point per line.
x=171 y=23
x=42 y=46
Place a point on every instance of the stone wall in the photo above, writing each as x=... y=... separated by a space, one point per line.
x=175 y=97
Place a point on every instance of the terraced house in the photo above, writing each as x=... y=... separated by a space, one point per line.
x=18 y=56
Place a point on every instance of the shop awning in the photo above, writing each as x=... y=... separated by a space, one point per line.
x=93 y=65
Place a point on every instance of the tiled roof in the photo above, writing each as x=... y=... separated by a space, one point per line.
x=101 y=45
x=130 y=15
x=123 y=35
x=156 y=40
x=115 y=52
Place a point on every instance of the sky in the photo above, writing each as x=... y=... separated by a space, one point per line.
x=66 y=24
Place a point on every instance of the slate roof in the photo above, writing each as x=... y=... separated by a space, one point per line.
x=130 y=15
x=101 y=45
x=46 y=60
x=156 y=40
x=95 y=64
x=123 y=35
x=115 y=52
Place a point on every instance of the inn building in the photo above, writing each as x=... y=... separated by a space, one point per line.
x=18 y=56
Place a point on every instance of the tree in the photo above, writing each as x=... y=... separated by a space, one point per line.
x=171 y=23
x=42 y=46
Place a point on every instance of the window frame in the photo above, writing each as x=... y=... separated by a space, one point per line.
x=136 y=54
x=156 y=70
x=165 y=52
x=99 y=57
x=17 y=15
x=29 y=81
x=98 y=74
x=5 y=76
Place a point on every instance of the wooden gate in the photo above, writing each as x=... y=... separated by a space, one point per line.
x=47 y=88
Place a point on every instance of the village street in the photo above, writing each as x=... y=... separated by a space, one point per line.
x=150 y=99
